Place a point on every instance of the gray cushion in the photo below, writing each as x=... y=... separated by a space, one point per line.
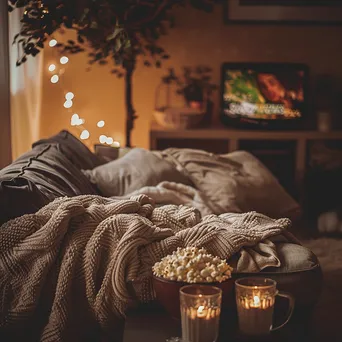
x=38 y=177
x=136 y=169
x=73 y=149
x=294 y=258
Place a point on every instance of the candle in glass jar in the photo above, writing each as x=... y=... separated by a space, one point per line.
x=200 y=324
x=255 y=310
x=200 y=312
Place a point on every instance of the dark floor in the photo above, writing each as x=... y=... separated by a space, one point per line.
x=327 y=317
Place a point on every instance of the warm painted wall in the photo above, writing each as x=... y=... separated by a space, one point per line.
x=199 y=38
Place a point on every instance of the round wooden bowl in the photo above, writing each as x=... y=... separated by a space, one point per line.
x=167 y=293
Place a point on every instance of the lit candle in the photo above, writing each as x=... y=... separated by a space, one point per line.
x=200 y=324
x=255 y=306
x=200 y=313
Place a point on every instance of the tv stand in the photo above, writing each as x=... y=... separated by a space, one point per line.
x=263 y=143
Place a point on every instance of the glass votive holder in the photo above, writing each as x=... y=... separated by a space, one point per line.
x=200 y=307
x=255 y=298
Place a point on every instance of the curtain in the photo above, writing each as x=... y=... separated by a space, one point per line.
x=5 y=130
x=26 y=93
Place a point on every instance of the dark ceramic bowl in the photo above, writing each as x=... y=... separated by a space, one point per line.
x=167 y=293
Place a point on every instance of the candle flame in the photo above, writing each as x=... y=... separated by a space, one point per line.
x=256 y=300
x=200 y=309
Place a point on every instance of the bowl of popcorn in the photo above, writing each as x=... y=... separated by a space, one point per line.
x=190 y=265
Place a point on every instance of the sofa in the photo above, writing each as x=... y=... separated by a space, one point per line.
x=54 y=168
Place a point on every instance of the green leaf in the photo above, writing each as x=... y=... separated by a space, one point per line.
x=84 y=14
x=15 y=38
x=117 y=31
x=127 y=44
x=94 y=25
x=80 y=39
x=117 y=45
x=34 y=52
x=118 y=59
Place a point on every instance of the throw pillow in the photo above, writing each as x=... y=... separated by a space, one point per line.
x=38 y=177
x=136 y=169
x=74 y=150
x=235 y=182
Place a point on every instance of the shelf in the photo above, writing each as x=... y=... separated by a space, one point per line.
x=222 y=132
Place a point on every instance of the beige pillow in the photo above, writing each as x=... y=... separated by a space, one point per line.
x=235 y=182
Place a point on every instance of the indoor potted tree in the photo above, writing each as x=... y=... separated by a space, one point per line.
x=114 y=30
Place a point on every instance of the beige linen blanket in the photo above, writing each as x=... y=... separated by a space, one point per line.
x=234 y=182
x=84 y=260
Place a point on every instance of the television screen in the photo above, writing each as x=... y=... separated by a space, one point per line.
x=264 y=91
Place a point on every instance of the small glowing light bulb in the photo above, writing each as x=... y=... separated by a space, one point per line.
x=110 y=140
x=52 y=67
x=69 y=96
x=54 y=79
x=53 y=42
x=64 y=60
x=85 y=135
x=100 y=124
x=103 y=139
x=74 y=120
x=116 y=144
x=68 y=104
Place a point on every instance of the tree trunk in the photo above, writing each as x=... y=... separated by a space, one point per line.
x=129 y=66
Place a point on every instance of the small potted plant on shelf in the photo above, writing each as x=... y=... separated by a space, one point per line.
x=195 y=88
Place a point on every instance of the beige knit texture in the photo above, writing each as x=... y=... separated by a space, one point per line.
x=78 y=256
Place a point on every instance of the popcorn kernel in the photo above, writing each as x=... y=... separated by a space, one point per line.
x=192 y=265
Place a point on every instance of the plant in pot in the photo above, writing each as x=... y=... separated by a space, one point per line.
x=117 y=31
x=195 y=84
x=195 y=87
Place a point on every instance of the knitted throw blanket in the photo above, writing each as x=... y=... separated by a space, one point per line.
x=74 y=261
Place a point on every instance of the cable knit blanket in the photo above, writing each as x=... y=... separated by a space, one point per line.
x=82 y=261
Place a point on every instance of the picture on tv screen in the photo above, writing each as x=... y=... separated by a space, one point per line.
x=263 y=94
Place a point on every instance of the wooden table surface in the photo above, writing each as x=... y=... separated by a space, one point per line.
x=154 y=325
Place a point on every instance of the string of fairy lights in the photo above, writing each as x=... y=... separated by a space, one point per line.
x=57 y=70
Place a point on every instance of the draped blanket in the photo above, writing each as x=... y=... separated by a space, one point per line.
x=83 y=260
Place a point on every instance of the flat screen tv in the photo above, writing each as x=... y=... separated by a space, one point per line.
x=264 y=95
